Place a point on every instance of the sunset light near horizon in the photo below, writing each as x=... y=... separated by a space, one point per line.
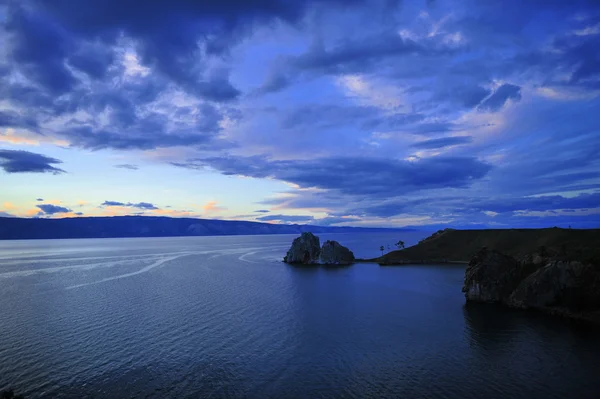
x=332 y=113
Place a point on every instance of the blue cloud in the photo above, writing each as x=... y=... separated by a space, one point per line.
x=14 y=119
x=40 y=46
x=93 y=60
x=49 y=209
x=500 y=97
x=127 y=166
x=18 y=161
x=389 y=120
x=357 y=176
x=167 y=35
x=540 y=204
x=139 y=205
x=443 y=142
x=286 y=218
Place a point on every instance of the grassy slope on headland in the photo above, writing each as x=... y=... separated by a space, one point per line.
x=461 y=245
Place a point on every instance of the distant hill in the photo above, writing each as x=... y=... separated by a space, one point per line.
x=151 y=226
x=462 y=245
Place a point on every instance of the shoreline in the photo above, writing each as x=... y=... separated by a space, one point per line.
x=412 y=262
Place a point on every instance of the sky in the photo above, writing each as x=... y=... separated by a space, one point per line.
x=343 y=112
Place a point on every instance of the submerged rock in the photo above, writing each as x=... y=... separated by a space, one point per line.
x=304 y=250
x=334 y=253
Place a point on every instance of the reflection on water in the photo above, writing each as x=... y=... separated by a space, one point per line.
x=541 y=355
x=223 y=317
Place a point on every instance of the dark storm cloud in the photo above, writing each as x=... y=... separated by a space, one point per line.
x=139 y=205
x=443 y=142
x=17 y=161
x=357 y=176
x=40 y=46
x=167 y=34
x=262 y=211
x=51 y=43
x=49 y=209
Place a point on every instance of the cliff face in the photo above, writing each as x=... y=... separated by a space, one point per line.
x=490 y=277
x=305 y=250
x=572 y=285
x=569 y=288
x=333 y=253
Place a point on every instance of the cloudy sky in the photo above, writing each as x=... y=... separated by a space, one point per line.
x=339 y=112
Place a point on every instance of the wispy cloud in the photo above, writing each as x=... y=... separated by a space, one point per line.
x=138 y=205
x=430 y=112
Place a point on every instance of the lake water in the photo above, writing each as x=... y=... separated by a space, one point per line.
x=223 y=317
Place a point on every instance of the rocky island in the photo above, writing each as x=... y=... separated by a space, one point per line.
x=306 y=250
x=552 y=270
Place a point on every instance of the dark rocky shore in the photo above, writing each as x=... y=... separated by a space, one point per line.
x=538 y=281
x=552 y=270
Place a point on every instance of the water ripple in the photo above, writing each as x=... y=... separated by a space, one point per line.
x=223 y=317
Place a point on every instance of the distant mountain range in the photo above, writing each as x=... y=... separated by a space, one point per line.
x=152 y=226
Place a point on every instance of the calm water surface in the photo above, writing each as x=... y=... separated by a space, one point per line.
x=223 y=317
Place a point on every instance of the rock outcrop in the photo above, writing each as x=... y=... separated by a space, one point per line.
x=333 y=253
x=535 y=281
x=305 y=250
x=571 y=285
x=491 y=277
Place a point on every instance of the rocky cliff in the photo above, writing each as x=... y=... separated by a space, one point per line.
x=536 y=281
x=305 y=250
x=333 y=253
